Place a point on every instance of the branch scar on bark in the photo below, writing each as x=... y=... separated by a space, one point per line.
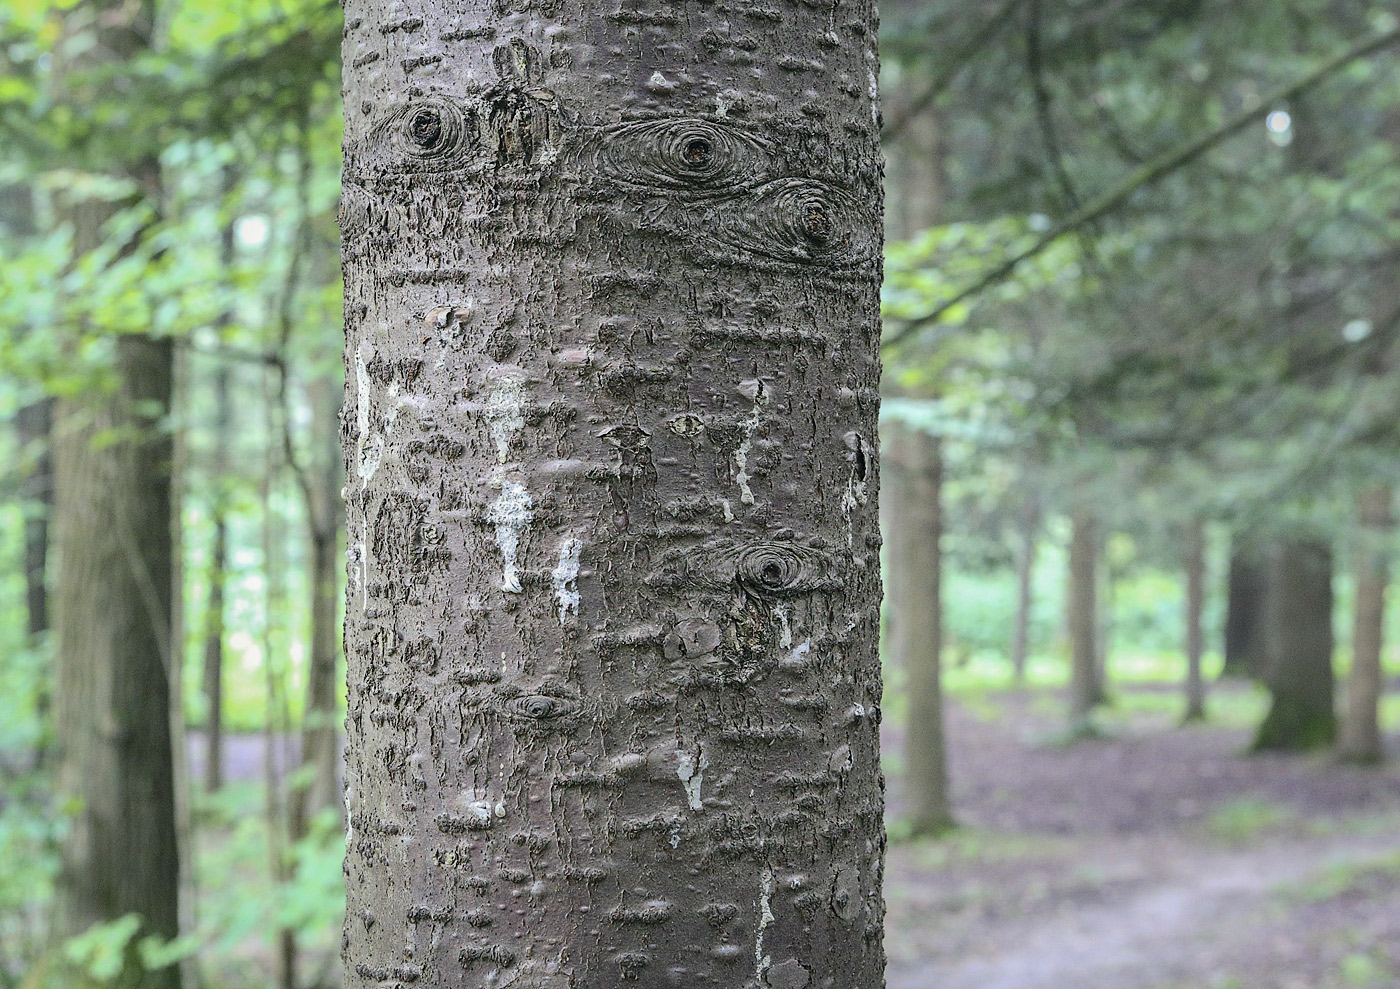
x=566 y=577
x=755 y=392
x=511 y=514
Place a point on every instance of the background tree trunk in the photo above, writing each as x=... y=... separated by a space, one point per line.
x=113 y=608
x=115 y=593
x=218 y=577
x=321 y=748
x=613 y=313
x=1247 y=583
x=1085 y=688
x=1298 y=647
x=914 y=469
x=1195 y=609
x=1361 y=736
x=1025 y=588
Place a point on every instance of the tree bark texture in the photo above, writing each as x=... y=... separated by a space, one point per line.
x=1361 y=735
x=612 y=300
x=1195 y=565
x=1085 y=688
x=914 y=471
x=1246 y=584
x=1298 y=644
x=113 y=611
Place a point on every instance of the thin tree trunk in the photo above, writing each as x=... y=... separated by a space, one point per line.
x=321 y=748
x=1298 y=648
x=1361 y=736
x=1244 y=610
x=1195 y=565
x=1085 y=690
x=1025 y=588
x=915 y=524
x=281 y=806
x=613 y=671
x=34 y=424
x=218 y=577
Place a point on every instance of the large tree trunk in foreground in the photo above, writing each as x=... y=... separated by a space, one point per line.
x=1195 y=565
x=1361 y=735
x=1246 y=585
x=1298 y=648
x=113 y=613
x=914 y=473
x=1085 y=687
x=612 y=300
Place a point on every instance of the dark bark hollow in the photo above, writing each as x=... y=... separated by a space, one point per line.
x=612 y=289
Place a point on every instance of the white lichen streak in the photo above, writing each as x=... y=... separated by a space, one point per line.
x=755 y=391
x=785 y=630
x=765 y=918
x=505 y=411
x=511 y=513
x=691 y=770
x=566 y=578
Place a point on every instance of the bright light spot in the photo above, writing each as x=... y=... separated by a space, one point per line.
x=1356 y=331
x=1279 y=121
x=251 y=231
x=1038 y=222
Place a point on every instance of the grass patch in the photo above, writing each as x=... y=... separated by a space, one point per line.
x=1240 y=821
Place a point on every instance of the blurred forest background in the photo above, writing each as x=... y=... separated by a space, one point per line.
x=1142 y=322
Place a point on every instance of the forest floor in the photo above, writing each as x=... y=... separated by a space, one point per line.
x=1158 y=856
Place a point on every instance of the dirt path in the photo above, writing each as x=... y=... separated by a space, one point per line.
x=1160 y=859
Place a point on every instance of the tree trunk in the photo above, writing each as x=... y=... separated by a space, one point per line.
x=1244 y=611
x=113 y=612
x=1195 y=609
x=1298 y=646
x=1361 y=736
x=915 y=524
x=1085 y=688
x=114 y=600
x=321 y=740
x=1025 y=588
x=612 y=303
x=218 y=576
x=34 y=426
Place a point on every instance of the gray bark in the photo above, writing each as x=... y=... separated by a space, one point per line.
x=612 y=297
x=1195 y=566
x=1298 y=645
x=914 y=472
x=1361 y=735
x=1085 y=687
